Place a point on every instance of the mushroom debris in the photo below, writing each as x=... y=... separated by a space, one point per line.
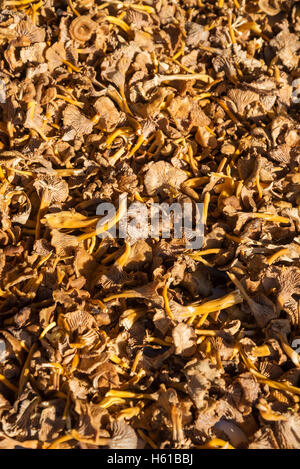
x=106 y=342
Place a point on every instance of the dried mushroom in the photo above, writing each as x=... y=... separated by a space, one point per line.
x=82 y=28
x=108 y=108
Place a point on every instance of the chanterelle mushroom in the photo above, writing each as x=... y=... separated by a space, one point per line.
x=162 y=175
x=51 y=190
x=82 y=28
x=76 y=123
x=286 y=280
x=113 y=331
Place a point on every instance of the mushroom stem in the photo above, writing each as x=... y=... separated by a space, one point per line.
x=57 y=366
x=147 y=439
x=261 y=351
x=92 y=245
x=236 y=239
x=19 y=171
x=74 y=435
x=268 y=414
x=18 y=2
x=61 y=439
x=118 y=361
x=246 y=359
x=129 y=412
x=177 y=62
x=219 y=360
x=134 y=6
x=195 y=182
x=10 y=129
x=180 y=52
x=158 y=341
x=206 y=252
x=114 y=158
x=110 y=401
x=35 y=7
x=201 y=321
x=227 y=110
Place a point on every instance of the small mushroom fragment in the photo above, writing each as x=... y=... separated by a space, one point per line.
x=114 y=68
x=51 y=190
x=286 y=280
x=280 y=329
x=262 y=309
x=63 y=243
x=26 y=28
x=233 y=432
x=20 y=199
x=113 y=275
x=55 y=55
x=264 y=439
x=272 y=7
x=147 y=292
x=116 y=117
x=200 y=376
x=26 y=33
x=196 y=33
x=82 y=28
x=123 y=437
x=187 y=114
